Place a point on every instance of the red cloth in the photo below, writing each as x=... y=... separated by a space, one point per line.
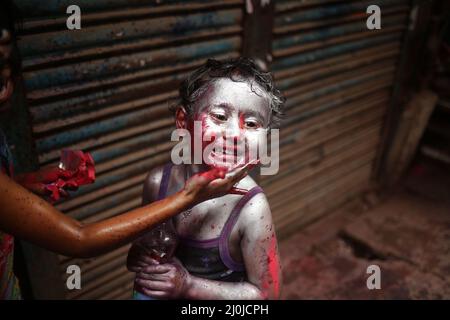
x=81 y=167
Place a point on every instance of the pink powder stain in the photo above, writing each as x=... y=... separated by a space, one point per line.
x=272 y=280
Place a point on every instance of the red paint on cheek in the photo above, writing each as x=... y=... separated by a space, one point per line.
x=205 y=130
x=241 y=122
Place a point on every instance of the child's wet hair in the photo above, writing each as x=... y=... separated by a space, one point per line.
x=237 y=69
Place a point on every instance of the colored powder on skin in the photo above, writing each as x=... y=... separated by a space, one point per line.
x=272 y=263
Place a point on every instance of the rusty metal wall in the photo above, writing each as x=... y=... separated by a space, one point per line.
x=337 y=76
x=105 y=89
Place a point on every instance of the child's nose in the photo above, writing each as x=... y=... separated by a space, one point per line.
x=234 y=137
x=234 y=131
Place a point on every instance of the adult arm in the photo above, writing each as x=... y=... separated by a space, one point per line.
x=29 y=217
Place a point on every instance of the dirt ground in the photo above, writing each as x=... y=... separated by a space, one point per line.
x=406 y=234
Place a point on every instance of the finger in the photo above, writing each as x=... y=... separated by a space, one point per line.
x=161 y=268
x=62 y=173
x=138 y=264
x=143 y=258
x=52 y=173
x=143 y=261
x=147 y=255
x=220 y=173
x=134 y=268
x=164 y=284
x=154 y=285
x=152 y=276
x=159 y=285
x=154 y=294
x=249 y=165
x=137 y=261
x=239 y=191
x=238 y=175
x=215 y=173
x=240 y=172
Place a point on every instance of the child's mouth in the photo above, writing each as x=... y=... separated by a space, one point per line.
x=228 y=158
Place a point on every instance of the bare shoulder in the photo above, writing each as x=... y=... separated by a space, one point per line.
x=247 y=183
x=256 y=213
x=151 y=184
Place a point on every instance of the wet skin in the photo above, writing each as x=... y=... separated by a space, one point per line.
x=29 y=217
x=232 y=108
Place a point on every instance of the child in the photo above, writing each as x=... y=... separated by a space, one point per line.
x=227 y=246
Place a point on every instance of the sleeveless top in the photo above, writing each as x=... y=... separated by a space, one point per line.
x=211 y=259
x=9 y=286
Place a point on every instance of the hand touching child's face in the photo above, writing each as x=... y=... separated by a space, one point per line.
x=234 y=115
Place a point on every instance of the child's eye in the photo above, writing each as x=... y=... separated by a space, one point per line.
x=220 y=117
x=252 y=124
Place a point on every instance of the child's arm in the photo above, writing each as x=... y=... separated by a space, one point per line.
x=260 y=253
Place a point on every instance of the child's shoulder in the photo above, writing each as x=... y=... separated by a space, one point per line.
x=153 y=179
x=255 y=219
x=152 y=183
x=256 y=205
x=247 y=183
x=154 y=176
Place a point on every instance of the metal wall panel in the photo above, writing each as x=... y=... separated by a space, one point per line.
x=105 y=89
x=337 y=76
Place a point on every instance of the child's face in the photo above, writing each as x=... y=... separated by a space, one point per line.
x=233 y=116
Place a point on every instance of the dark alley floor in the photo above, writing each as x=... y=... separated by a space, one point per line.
x=406 y=234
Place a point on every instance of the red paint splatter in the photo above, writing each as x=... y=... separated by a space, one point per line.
x=272 y=279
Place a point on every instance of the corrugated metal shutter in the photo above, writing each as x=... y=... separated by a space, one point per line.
x=337 y=76
x=104 y=89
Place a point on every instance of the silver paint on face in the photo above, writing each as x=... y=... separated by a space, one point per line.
x=237 y=114
x=229 y=125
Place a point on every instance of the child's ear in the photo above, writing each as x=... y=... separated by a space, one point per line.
x=181 y=118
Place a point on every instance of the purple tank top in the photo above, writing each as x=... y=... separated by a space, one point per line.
x=211 y=258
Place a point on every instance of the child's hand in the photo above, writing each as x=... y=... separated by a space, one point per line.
x=216 y=183
x=139 y=258
x=164 y=281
